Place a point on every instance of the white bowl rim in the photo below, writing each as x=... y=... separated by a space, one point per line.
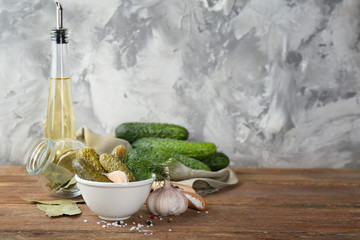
x=115 y=185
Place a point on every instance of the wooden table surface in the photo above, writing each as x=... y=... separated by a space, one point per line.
x=266 y=204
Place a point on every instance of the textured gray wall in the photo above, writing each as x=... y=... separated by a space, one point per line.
x=272 y=83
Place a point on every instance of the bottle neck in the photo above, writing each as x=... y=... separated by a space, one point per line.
x=59 y=55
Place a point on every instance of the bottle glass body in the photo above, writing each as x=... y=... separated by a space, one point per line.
x=60 y=121
x=52 y=162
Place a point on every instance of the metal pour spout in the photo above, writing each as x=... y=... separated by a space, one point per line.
x=59 y=21
x=59 y=34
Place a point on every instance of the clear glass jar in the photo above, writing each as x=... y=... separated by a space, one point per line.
x=52 y=162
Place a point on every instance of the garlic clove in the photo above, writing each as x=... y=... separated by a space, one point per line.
x=117 y=177
x=181 y=186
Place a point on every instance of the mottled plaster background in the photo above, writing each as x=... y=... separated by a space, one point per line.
x=272 y=83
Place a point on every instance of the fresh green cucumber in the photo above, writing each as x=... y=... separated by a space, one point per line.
x=162 y=157
x=217 y=161
x=134 y=130
x=199 y=150
x=86 y=171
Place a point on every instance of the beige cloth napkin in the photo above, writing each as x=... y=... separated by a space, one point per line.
x=101 y=144
x=204 y=182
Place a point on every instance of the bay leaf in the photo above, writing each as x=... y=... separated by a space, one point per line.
x=51 y=210
x=53 y=186
x=70 y=184
x=59 y=210
x=57 y=175
x=70 y=209
x=55 y=202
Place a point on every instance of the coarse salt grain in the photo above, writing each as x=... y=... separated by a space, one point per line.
x=103 y=226
x=85 y=220
x=169 y=229
x=194 y=200
x=206 y=212
x=98 y=223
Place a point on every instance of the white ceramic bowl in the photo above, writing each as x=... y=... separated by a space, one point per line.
x=114 y=201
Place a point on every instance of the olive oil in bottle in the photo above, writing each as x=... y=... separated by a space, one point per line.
x=60 y=117
x=60 y=121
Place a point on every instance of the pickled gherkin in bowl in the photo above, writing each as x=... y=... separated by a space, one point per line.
x=110 y=200
x=114 y=201
x=92 y=167
x=112 y=164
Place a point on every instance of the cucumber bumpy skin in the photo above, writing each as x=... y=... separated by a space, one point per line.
x=161 y=157
x=198 y=150
x=90 y=155
x=132 y=131
x=217 y=161
x=86 y=171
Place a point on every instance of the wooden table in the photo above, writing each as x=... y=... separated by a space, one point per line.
x=266 y=204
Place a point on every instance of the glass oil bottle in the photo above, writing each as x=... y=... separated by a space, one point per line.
x=60 y=121
x=51 y=157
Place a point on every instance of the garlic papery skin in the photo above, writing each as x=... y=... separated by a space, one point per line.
x=117 y=177
x=166 y=201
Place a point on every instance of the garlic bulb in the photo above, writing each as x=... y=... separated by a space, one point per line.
x=166 y=201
